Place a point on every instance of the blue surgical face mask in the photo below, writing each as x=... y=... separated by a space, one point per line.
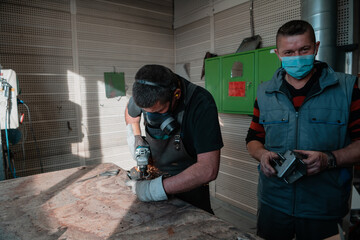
x=298 y=66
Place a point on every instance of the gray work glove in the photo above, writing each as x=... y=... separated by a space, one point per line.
x=140 y=141
x=130 y=138
x=134 y=140
x=148 y=190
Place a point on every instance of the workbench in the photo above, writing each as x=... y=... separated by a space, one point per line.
x=77 y=203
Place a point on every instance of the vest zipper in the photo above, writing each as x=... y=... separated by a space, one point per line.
x=296 y=128
x=296 y=146
x=297 y=142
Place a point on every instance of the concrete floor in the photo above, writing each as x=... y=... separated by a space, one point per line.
x=245 y=221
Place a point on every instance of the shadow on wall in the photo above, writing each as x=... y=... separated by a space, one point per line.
x=51 y=131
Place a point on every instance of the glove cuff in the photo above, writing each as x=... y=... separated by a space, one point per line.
x=140 y=141
x=151 y=190
x=138 y=138
x=157 y=189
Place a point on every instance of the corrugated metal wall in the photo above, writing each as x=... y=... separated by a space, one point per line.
x=223 y=31
x=60 y=51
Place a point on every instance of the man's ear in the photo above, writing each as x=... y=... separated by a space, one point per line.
x=317 y=45
x=277 y=54
x=177 y=93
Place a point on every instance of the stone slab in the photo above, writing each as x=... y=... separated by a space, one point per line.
x=78 y=204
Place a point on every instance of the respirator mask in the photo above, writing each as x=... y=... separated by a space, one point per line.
x=163 y=121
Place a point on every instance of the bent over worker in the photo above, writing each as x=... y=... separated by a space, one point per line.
x=187 y=152
x=308 y=108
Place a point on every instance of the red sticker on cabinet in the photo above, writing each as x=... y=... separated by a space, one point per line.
x=237 y=89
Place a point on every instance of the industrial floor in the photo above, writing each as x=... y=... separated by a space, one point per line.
x=245 y=221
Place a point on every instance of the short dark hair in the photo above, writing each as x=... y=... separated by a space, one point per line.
x=295 y=27
x=154 y=83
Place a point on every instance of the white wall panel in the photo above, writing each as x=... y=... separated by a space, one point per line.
x=35 y=39
x=233 y=25
x=270 y=15
x=60 y=51
x=192 y=42
x=120 y=36
x=188 y=11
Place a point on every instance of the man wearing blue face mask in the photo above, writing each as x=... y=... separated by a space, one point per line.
x=307 y=108
x=182 y=131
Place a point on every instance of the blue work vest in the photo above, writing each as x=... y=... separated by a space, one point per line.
x=320 y=124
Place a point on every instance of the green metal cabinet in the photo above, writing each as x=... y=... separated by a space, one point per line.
x=238 y=76
x=233 y=79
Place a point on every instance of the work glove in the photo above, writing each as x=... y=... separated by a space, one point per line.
x=148 y=190
x=140 y=141
x=130 y=138
x=134 y=140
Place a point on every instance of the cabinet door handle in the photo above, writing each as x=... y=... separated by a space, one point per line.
x=248 y=84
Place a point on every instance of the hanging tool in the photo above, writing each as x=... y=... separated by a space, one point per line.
x=253 y=42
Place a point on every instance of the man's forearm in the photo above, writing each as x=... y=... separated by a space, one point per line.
x=136 y=128
x=135 y=122
x=202 y=172
x=256 y=149
x=349 y=155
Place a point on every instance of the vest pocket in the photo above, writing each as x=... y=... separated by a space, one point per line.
x=328 y=126
x=276 y=124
